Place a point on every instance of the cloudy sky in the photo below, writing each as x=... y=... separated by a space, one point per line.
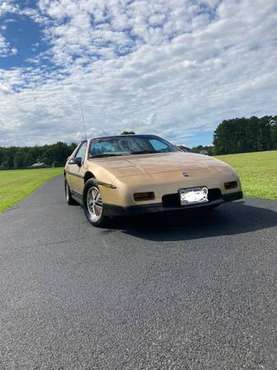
x=170 y=67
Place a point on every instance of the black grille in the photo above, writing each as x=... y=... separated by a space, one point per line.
x=173 y=200
x=214 y=194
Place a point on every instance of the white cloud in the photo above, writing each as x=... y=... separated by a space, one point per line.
x=172 y=67
x=5 y=48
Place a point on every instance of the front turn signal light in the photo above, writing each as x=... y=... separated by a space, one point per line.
x=230 y=185
x=139 y=197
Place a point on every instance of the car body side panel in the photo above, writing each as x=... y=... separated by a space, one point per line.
x=74 y=174
x=75 y=177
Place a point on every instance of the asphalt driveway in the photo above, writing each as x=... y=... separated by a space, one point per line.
x=194 y=291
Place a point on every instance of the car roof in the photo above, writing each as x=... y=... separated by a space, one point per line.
x=120 y=136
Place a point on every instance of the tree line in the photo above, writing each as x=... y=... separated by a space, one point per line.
x=53 y=155
x=238 y=135
x=242 y=135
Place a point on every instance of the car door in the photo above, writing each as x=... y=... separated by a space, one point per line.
x=76 y=171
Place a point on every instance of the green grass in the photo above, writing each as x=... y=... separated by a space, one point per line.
x=258 y=172
x=16 y=185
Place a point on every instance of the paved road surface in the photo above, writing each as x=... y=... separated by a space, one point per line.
x=195 y=292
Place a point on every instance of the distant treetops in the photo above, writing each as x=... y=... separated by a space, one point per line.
x=246 y=135
x=236 y=135
x=53 y=155
x=127 y=133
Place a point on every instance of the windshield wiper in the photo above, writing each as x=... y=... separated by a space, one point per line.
x=144 y=152
x=106 y=155
x=103 y=155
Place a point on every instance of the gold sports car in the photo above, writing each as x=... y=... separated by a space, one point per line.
x=134 y=174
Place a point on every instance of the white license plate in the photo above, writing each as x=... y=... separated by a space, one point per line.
x=193 y=195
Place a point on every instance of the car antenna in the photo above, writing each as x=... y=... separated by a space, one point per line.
x=83 y=119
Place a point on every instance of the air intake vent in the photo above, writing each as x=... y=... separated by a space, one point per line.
x=139 y=197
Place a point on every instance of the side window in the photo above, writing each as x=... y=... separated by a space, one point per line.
x=158 y=145
x=81 y=153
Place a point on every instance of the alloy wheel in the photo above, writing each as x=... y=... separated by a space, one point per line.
x=94 y=204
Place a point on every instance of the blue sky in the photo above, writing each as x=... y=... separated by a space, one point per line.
x=175 y=68
x=25 y=36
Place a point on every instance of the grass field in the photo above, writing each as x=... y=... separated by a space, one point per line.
x=258 y=172
x=15 y=185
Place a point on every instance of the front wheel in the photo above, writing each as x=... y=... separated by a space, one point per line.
x=93 y=204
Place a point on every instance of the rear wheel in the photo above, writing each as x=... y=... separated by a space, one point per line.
x=93 y=204
x=68 y=196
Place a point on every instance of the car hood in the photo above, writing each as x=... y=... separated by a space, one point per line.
x=160 y=163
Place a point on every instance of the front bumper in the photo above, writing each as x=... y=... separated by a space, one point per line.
x=114 y=210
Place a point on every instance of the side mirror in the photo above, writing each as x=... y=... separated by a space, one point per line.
x=77 y=160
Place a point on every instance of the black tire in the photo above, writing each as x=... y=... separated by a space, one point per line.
x=68 y=196
x=91 y=190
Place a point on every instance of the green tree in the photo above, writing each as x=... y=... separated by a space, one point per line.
x=244 y=135
x=273 y=126
x=127 y=133
x=20 y=157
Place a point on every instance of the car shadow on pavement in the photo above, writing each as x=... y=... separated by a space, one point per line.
x=231 y=219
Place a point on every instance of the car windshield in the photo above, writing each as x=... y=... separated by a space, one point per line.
x=129 y=145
